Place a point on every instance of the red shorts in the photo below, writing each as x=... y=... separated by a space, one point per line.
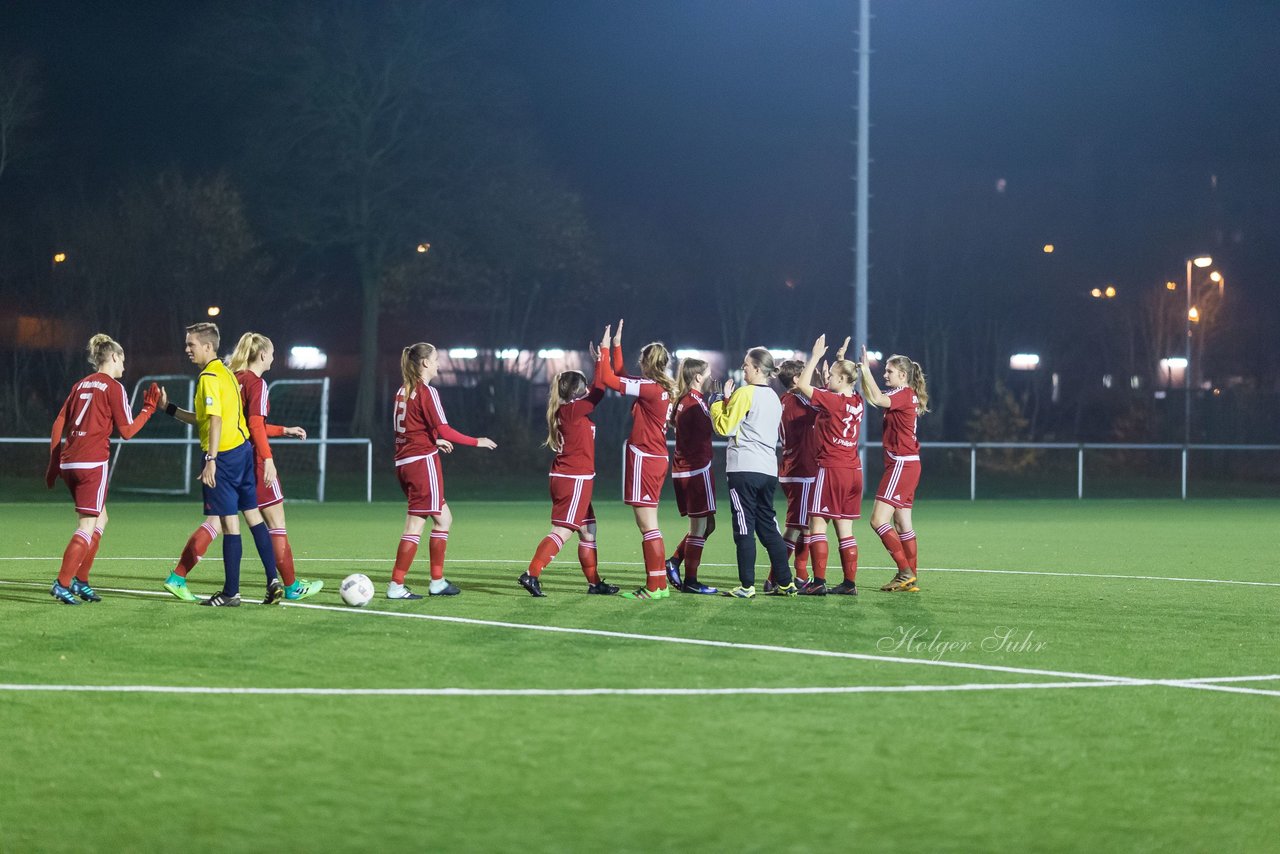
x=267 y=495
x=837 y=494
x=799 y=492
x=423 y=484
x=571 y=500
x=88 y=485
x=695 y=492
x=899 y=481
x=643 y=477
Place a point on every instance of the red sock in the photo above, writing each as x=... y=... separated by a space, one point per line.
x=680 y=550
x=693 y=547
x=197 y=545
x=654 y=560
x=284 y=554
x=73 y=556
x=908 y=539
x=587 y=558
x=849 y=559
x=893 y=545
x=87 y=564
x=439 y=541
x=546 y=552
x=818 y=551
x=405 y=554
x=802 y=558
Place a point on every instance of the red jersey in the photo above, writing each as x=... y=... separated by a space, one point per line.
x=96 y=405
x=838 y=421
x=899 y=433
x=651 y=411
x=693 y=433
x=253 y=392
x=419 y=421
x=799 y=453
x=577 y=454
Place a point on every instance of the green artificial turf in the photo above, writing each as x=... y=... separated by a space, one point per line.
x=1118 y=767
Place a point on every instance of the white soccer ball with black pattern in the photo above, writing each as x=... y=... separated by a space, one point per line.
x=356 y=590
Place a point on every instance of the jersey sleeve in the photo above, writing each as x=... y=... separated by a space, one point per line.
x=619 y=364
x=605 y=375
x=727 y=415
x=435 y=415
x=825 y=401
x=122 y=416
x=901 y=399
x=258 y=435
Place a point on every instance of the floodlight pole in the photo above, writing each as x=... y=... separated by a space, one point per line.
x=864 y=126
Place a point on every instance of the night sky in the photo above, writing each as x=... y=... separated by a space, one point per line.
x=1128 y=134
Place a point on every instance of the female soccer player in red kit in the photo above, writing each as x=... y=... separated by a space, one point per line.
x=572 y=435
x=837 y=489
x=903 y=401
x=96 y=405
x=691 y=475
x=253 y=356
x=422 y=431
x=646 y=460
x=799 y=466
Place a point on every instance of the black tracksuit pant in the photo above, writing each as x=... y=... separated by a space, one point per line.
x=751 y=503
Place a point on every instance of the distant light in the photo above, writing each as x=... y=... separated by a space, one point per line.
x=551 y=353
x=790 y=284
x=1001 y=184
x=509 y=353
x=1106 y=380
x=1203 y=261
x=214 y=311
x=1170 y=286
x=1024 y=362
x=1217 y=391
x=691 y=354
x=1215 y=276
x=423 y=248
x=874 y=355
x=1135 y=382
x=1096 y=293
x=307 y=358
x=782 y=353
x=1173 y=362
x=1110 y=291
x=463 y=353
x=1161 y=395
x=59 y=257
x=1194 y=315
x=1048 y=249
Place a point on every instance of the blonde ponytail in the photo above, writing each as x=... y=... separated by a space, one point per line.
x=250 y=346
x=567 y=386
x=915 y=379
x=100 y=347
x=410 y=365
x=654 y=360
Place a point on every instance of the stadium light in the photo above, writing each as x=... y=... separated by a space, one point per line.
x=1048 y=249
x=1170 y=286
x=424 y=248
x=307 y=358
x=1024 y=361
x=463 y=353
x=1096 y=293
x=1215 y=277
x=1193 y=314
x=1110 y=291
x=551 y=353
x=509 y=353
x=59 y=257
x=1202 y=262
x=214 y=311
x=782 y=353
x=874 y=356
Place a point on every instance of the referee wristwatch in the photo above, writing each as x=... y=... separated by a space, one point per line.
x=210 y=458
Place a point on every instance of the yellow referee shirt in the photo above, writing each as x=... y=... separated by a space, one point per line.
x=218 y=393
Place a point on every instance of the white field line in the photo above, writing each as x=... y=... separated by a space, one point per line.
x=1204 y=683
x=560 y=692
x=520 y=564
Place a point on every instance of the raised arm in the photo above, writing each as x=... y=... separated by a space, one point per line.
x=870 y=391
x=619 y=364
x=804 y=383
x=605 y=374
x=126 y=425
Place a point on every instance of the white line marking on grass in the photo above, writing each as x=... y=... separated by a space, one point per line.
x=563 y=692
x=926 y=570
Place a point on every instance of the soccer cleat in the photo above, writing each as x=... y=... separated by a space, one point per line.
x=532 y=584
x=177 y=585
x=787 y=590
x=221 y=600
x=399 y=591
x=448 y=588
x=673 y=575
x=63 y=594
x=769 y=586
x=646 y=593
x=300 y=589
x=601 y=588
x=741 y=592
x=699 y=587
x=275 y=592
x=84 y=591
x=901 y=583
x=815 y=587
x=844 y=588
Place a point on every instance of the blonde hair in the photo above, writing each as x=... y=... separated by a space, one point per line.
x=689 y=368
x=568 y=386
x=100 y=347
x=206 y=332
x=250 y=346
x=763 y=361
x=410 y=360
x=915 y=379
x=846 y=369
x=654 y=360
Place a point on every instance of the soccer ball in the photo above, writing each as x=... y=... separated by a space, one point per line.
x=356 y=590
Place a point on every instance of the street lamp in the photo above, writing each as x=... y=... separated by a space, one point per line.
x=1201 y=262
